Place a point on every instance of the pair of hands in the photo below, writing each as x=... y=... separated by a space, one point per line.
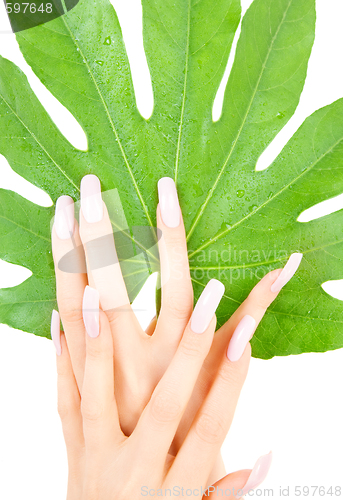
x=147 y=412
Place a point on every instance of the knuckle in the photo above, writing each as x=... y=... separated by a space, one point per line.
x=114 y=317
x=70 y=310
x=179 y=305
x=176 y=241
x=258 y=299
x=165 y=407
x=191 y=347
x=90 y=233
x=209 y=428
x=64 y=410
x=91 y=411
x=95 y=350
x=234 y=378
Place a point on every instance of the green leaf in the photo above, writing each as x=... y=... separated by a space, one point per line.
x=240 y=222
x=25 y=240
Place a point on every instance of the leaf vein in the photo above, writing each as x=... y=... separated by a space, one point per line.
x=213 y=188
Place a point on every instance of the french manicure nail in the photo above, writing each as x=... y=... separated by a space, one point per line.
x=91 y=200
x=64 y=217
x=258 y=474
x=206 y=306
x=56 y=331
x=90 y=311
x=241 y=337
x=169 y=202
x=287 y=272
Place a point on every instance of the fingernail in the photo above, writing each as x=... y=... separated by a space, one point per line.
x=241 y=337
x=206 y=306
x=169 y=202
x=64 y=217
x=287 y=272
x=258 y=474
x=90 y=311
x=56 y=331
x=91 y=200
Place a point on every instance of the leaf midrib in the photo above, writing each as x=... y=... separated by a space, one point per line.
x=210 y=194
x=127 y=164
x=177 y=159
x=116 y=135
x=255 y=264
x=220 y=235
x=273 y=311
x=15 y=223
x=23 y=301
x=62 y=171
x=39 y=143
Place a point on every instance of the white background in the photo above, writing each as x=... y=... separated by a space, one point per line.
x=291 y=405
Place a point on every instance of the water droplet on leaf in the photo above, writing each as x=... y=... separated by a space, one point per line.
x=198 y=190
x=224 y=227
x=240 y=193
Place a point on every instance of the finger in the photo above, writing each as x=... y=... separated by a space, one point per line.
x=71 y=279
x=68 y=395
x=211 y=424
x=240 y=483
x=214 y=418
x=177 y=291
x=160 y=419
x=232 y=484
x=98 y=406
x=104 y=273
x=255 y=305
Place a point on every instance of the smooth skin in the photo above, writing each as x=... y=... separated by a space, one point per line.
x=144 y=408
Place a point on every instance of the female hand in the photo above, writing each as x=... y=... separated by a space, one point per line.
x=140 y=359
x=120 y=467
